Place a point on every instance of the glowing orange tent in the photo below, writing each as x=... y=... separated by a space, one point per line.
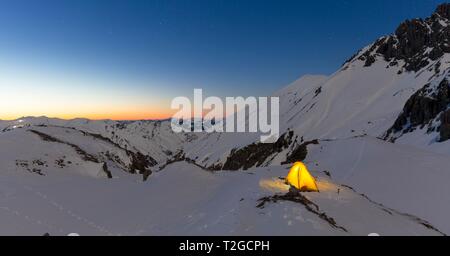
x=300 y=178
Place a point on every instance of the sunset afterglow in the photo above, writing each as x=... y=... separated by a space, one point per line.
x=128 y=60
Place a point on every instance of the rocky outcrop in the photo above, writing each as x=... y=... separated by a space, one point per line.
x=444 y=130
x=417 y=42
x=300 y=152
x=107 y=171
x=256 y=154
x=444 y=10
x=140 y=162
x=296 y=197
x=422 y=109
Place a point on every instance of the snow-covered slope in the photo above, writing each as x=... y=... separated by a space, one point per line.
x=45 y=150
x=154 y=138
x=405 y=178
x=185 y=200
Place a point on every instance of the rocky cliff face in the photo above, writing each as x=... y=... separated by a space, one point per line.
x=421 y=44
x=445 y=126
x=416 y=43
x=427 y=108
x=423 y=109
x=256 y=154
x=444 y=10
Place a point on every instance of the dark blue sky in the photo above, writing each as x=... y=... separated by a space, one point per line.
x=228 y=47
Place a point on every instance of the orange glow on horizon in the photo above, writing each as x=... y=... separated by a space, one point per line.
x=117 y=115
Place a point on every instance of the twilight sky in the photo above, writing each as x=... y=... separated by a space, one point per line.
x=127 y=59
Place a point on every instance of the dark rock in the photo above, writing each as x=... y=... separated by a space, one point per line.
x=445 y=126
x=255 y=154
x=295 y=196
x=37 y=171
x=422 y=108
x=140 y=162
x=444 y=10
x=318 y=91
x=436 y=53
x=146 y=174
x=369 y=61
x=300 y=152
x=411 y=41
x=108 y=172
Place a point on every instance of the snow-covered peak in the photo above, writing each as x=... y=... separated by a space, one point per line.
x=415 y=45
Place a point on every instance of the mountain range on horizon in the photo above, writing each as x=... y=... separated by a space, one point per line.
x=375 y=134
